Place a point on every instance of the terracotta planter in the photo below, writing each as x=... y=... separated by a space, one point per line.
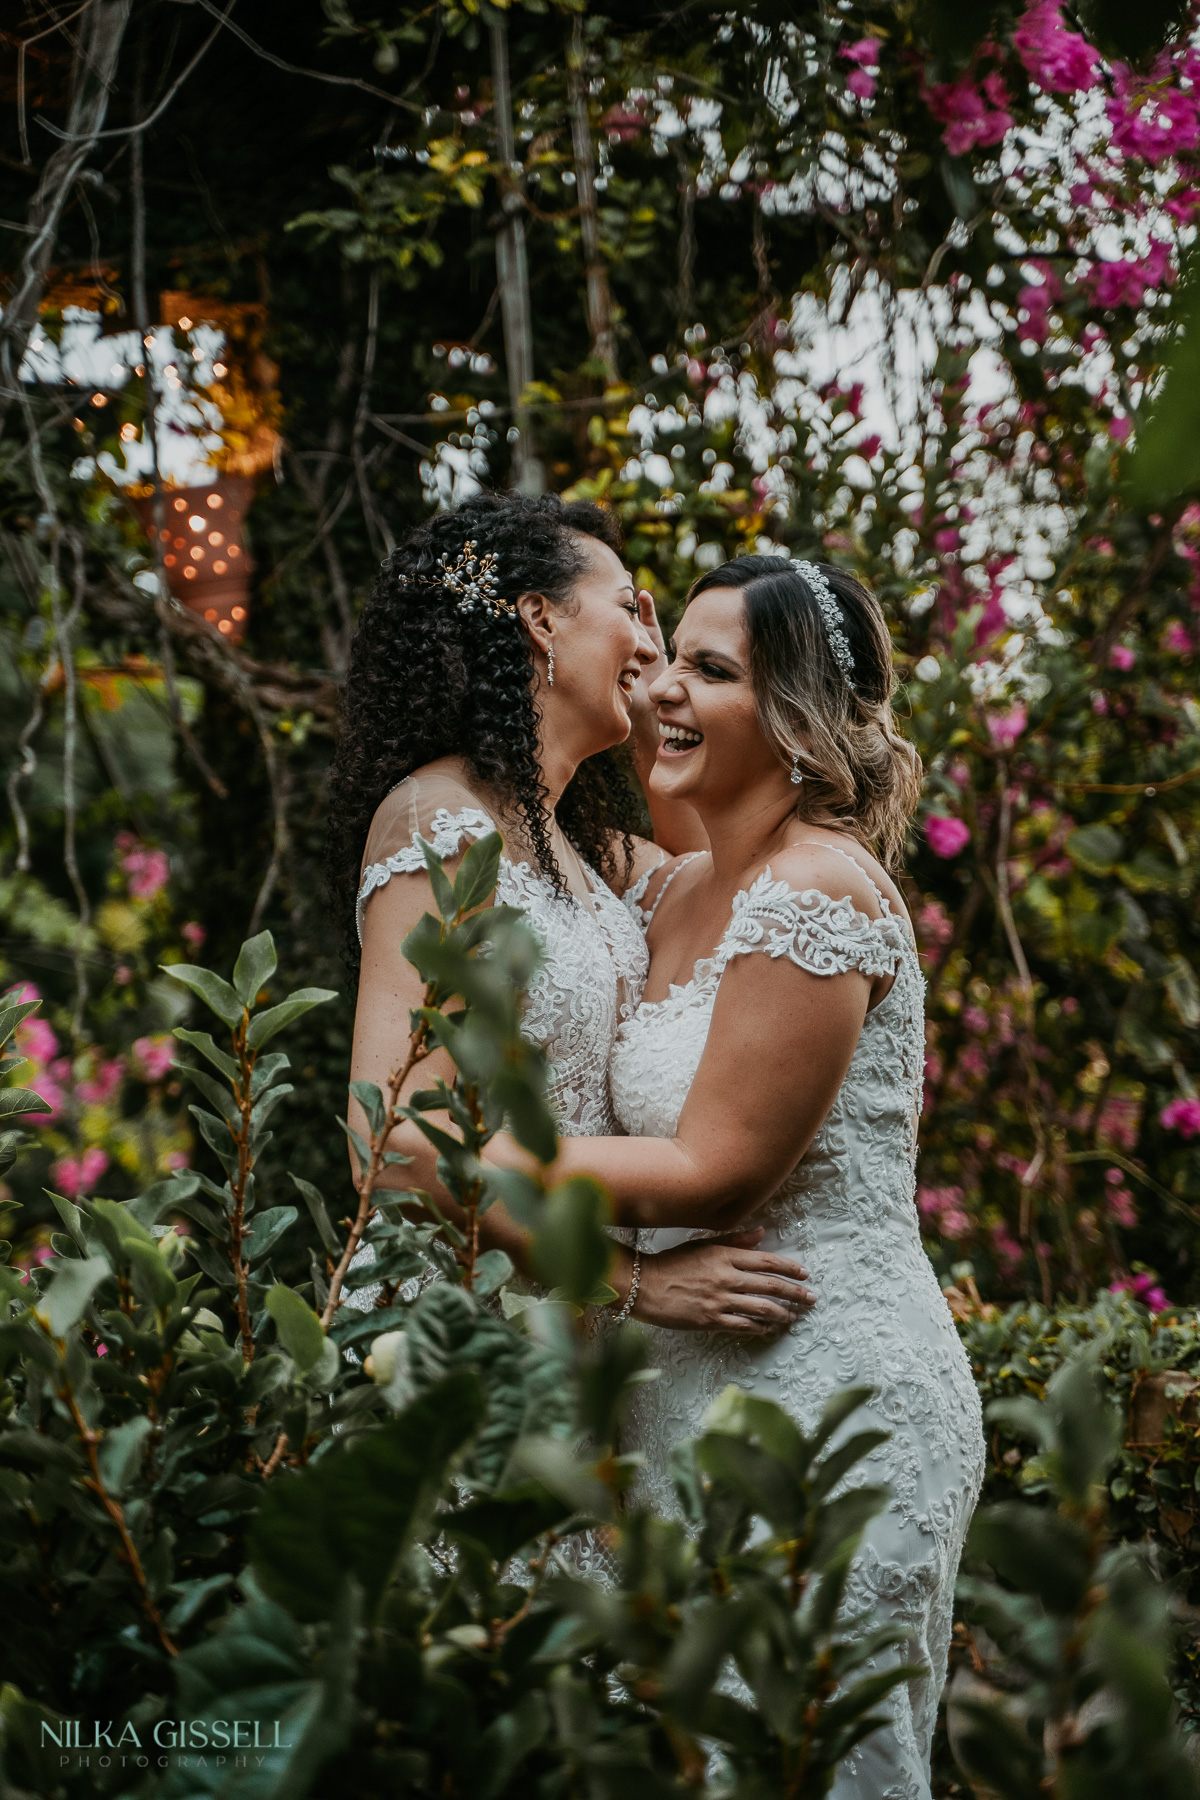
x=204 y=550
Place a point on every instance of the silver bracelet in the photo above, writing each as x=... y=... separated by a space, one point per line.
x=634 y=1281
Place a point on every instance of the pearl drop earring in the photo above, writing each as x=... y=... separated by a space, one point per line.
x=550 y=667
x=797 y=777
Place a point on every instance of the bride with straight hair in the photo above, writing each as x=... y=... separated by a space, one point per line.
x=497 y=664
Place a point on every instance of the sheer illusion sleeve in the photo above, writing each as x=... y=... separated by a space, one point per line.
x=435 y=805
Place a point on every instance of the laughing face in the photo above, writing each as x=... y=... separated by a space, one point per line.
x=711 y=746
x=600 y=650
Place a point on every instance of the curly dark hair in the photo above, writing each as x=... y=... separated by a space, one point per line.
x=427 y=681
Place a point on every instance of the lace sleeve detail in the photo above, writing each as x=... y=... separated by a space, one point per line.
x=816 y=932
x=446 y=832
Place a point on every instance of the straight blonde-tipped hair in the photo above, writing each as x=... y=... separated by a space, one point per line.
x=860 y=776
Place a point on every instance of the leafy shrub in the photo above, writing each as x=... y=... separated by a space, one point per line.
x=209 y=1511
x=1148 y=1365
x=1075 y=1633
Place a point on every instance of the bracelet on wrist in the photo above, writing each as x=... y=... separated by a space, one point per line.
x=634 y=1283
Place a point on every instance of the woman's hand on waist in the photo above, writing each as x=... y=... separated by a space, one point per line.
x=718 y=1284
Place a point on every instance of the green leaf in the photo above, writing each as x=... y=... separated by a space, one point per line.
x=354 y=1510
x=300 y=1331
x=1096 y=848
x=264 y=1025
x=202 y=1041
x=153 y=1281
x=71 y=1287
x=149 y=1207
x=216 y=994
x=1183 y=991
x=18 y=1100
x=571 y=1250
x=476 y=879
x=254 y=967
x=443 y=893
x=492 y=1270
x=12 y=1016
x=369 y=1097
x=266 y=1229
x=315 y=1202
x=120 y=1453
x=1165 y=457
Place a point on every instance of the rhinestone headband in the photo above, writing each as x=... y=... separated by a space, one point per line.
x=473 y=580
x=831 y=618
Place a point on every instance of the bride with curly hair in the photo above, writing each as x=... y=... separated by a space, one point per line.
x=497 y=664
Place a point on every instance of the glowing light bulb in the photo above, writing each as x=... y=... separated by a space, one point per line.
x=180 y=505
x=197 y=523
x=219 y=369
x=185 y=324
x=214 y=500
x=128 y=433
x=214 y=537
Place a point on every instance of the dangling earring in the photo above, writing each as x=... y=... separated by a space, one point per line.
x=550 y=666
x=797 y=777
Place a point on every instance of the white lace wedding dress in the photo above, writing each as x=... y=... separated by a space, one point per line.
x=847 y=1212
x=594 y=958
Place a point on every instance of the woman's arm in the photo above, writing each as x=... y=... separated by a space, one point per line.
x=777 y=1051
x=388 y=989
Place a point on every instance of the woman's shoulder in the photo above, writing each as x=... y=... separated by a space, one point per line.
x=438 y=802
x=838 y=872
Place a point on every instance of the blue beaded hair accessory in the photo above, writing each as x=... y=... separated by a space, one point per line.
x=831 y=618
x=472 y=579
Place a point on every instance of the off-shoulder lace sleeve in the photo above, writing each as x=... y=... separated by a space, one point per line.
x=818 y=933
x=439 y=809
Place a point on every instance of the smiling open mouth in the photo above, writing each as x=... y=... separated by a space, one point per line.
x=676 y=740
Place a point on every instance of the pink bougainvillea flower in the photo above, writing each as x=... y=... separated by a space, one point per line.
x=156 y=1055
x=78 y=1175
x=1119 y=1204
x=147 y=871
x=193 y=933
x=176 y=1159
x=865 y=53
x=1060 y=61
x=35 y=1040
x=1183 y=1116
x=103 y=1084
x=1120 y=1121
x=942 y=1209
x=1121 y=657
x=1178 y=638
x=1006 y=1248
x=946 y=836
x=1143 y=1287
x=934 y=924
x=1005 y=728
x=868 y=446
x=48 y=1089
x=861 y=83
x=971 y=114
x=1152 y=116
x=947 y=539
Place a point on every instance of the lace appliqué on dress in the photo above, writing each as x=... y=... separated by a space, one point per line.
x=847 y=1212
x=593 y=970
x=446 y=833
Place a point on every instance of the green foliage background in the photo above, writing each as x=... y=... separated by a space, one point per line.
x=818 y=320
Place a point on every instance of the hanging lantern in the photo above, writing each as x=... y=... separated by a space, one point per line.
x=204 y=550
